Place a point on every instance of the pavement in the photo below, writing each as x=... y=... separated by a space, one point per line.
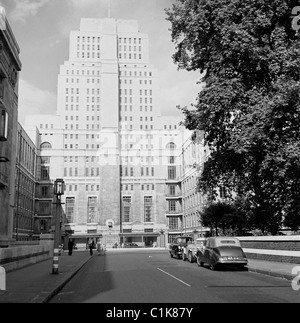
x=36 y=283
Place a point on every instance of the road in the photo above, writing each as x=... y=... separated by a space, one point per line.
x=151 y=276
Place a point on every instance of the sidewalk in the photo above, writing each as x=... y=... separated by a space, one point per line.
x=276 y=269
x=37 y=284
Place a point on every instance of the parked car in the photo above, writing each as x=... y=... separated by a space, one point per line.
x=176 y=248
x=222 y=251
x=190 y=251
x=130 y=245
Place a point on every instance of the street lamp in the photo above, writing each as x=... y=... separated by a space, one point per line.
x=162 y=237
x=59 y=189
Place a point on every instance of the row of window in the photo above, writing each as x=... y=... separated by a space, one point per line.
x=88 y=99
x=144 y=187
x=130 y=48
x=88 y=39
x=130 y=40
x=125 y=100
x=76 y=118
x=140 y=81
x=142 y=108
x=88 y=188
x=88 y=47
x=88 y=55
x=130 y=56
x=140 y=74
x=191 y=221
x=83 y=72
x=88 y=80
x=76 y=127
x=93 y=108
x=144 y=171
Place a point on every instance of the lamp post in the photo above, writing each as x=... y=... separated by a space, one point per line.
x=162 y=237
x=59 y=188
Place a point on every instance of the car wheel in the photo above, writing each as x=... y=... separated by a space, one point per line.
x=200 y=263
x=190 y=258
x=213 y=267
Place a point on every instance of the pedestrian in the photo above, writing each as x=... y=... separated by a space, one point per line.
x=99 y=247
x=91 y=245
x=70 y=246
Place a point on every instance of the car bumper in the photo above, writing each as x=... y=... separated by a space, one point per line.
x=232 y=262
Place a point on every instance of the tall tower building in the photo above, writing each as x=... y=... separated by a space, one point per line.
x=109 y=140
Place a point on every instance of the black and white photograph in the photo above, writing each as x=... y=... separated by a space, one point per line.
x=149 y=154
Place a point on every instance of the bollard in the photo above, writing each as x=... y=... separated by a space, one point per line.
x=2 y=278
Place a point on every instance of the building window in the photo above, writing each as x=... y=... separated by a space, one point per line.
x=148 y=209
x=46 y=145
x=172 y=190
x=70 y=209
x=171 y=146
x=171 y=172
x=173 y=223
x=45 y=173
x=172 y=206
x=44 y=208
x=45 y=190
x=92 y=208
x=126 y=208
x=171 y=160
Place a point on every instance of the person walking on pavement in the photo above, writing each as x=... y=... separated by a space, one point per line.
x=99 y=247
x=91 y=245
x=70 y=246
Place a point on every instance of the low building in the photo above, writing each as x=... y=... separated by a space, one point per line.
x=25 y=183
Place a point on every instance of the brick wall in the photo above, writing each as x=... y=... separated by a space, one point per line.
x=272 y=248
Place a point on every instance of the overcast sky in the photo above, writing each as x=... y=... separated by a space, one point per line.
x=42 y=29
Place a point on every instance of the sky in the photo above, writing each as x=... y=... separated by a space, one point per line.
x=42 y=29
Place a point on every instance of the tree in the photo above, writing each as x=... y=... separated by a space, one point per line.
x=249 y=108
x=216 y=216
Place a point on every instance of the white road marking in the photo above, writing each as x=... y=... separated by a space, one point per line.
x=174 y=277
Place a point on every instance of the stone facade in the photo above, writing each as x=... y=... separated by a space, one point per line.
x=10 y=66
x=25 y=187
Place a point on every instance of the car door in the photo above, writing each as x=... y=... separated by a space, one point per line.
x=203 y=254
x=208 y=252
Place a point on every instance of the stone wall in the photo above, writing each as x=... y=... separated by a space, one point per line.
x=19 y=256
x=272 y=248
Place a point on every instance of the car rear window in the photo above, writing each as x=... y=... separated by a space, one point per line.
x=227 y=241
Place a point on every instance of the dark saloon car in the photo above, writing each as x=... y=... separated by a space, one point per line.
x=222 y=251
x=130 y=245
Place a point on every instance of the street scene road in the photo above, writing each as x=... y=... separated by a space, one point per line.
x=151 y=276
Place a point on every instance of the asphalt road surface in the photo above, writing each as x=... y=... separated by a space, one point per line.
x=151 y=276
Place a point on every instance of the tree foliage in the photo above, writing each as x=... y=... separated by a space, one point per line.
x=249 y=108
